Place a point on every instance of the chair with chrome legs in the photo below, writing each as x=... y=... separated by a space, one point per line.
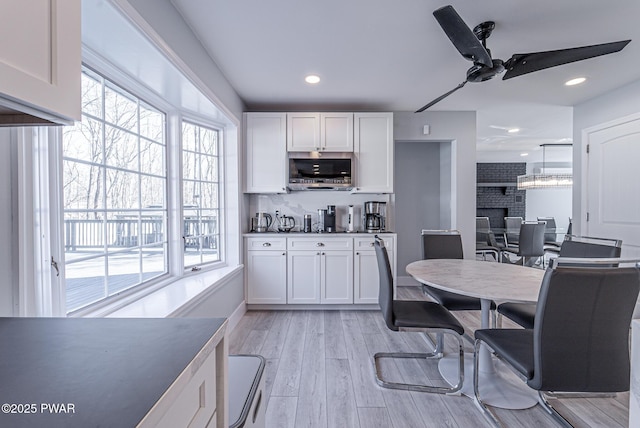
x=580 y=339
x=512 y=231
x=573 y=246
x=415 y=316
x=551 y=245
x=447 y=244
x=530 y=243
x=485 y=240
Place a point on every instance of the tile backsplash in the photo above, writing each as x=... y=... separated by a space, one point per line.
x=297 y=204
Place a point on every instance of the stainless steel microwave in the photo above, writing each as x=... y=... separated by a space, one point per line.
x=320 y=171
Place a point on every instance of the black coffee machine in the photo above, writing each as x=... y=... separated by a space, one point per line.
x=327 y=219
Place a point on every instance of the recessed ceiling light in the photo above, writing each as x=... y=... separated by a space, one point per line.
x=576 y=81
x=524 y=154
x=513 y=130
x=312 y=78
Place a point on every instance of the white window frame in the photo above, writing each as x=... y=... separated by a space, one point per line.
x=191 y=119
x=176 y=269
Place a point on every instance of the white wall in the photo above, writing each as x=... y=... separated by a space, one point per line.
x=550 y=203
x=417 y=196
x=459 y=128
x=613 y=105
x=168 y=23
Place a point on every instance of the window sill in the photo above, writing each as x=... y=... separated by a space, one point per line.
x=175 y=298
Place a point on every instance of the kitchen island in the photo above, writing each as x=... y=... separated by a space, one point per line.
x=89 y=372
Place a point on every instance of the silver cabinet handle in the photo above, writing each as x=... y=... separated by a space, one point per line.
x=317 y=254
x=266 y=244
x=319 y=244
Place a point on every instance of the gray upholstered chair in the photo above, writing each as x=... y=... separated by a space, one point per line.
x=415 y=316
x=512 y=231
x=530 y=243
x=551 y=245
x=485 y=240
x=574 y=247
x=580 y=339
x=446 y=244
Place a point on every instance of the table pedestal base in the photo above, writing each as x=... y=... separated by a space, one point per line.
x=496 y=389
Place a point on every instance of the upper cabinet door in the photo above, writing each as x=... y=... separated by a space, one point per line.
x=40 y=61
x=303 y=132
x=373 y=148
x=266 y=152
x=336 y=132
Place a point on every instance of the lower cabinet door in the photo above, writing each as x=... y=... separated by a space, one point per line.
x=303 y=276
x=337 y=277
x=366 y=278
x=266 y=277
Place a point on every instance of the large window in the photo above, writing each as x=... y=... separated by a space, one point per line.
x=200 y=195
x=115 y=187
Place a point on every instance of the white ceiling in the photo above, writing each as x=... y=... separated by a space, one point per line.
x=392 y=55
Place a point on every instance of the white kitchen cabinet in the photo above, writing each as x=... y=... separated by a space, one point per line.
x=266 y=267
x=336 y=277
x=303 y=276
x=303 y=132
x=366 y=280
x=266 y=152
x=326 y=132
x=40 y=62
x=373 y=148
x=320 y=270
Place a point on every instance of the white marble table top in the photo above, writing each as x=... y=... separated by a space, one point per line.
x=485 y=280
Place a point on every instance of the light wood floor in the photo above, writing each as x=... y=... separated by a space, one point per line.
x=319 y=373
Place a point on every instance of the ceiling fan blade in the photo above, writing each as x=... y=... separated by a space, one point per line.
x=442 y=97
x=461 y=36
x=520 y=64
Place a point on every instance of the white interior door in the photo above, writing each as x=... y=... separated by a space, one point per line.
x=613 y=183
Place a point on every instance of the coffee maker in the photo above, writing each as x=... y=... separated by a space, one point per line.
x=375 y=214
x=327 y=219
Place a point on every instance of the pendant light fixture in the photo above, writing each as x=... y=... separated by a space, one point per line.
x=545 y=180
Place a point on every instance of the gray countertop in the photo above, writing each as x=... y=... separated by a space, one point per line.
x=110 y=371
x=316 y=234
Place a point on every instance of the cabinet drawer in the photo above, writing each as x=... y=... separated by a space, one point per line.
x=266 y=243
x=323 y=242
x=362 y=244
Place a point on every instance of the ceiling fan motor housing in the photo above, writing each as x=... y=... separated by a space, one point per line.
x=480 y=73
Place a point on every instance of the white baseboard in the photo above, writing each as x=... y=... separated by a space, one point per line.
x=407 y=281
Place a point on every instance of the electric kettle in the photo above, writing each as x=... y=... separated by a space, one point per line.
x=261 y=222
x=285 y=223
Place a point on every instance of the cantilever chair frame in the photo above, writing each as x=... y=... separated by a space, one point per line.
x=518 y=250
x=489 y=246
x=425 y=288
x=379 y=243
x=553 y=264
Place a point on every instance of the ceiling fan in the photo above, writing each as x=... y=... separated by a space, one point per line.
x=472 y=45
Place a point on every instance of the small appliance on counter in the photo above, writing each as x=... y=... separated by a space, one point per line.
x=327 y=219
x=307 y=223
x=322 y=214
x=330 y=219
x=351 y=219
x=285 y=223
x=261 y=222
x=375 y=214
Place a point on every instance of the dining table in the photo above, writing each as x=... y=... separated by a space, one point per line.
x=487 y=281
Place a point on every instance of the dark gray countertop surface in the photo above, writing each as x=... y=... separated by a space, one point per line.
x=107 y=372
